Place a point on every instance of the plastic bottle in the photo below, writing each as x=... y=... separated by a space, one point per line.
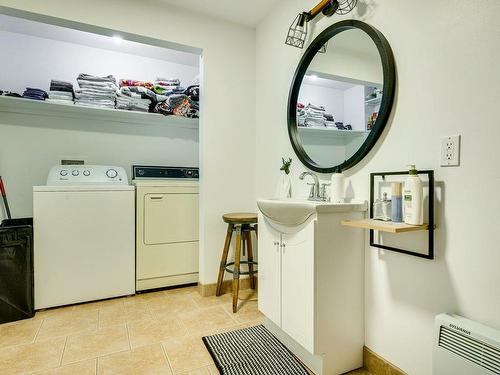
x=397 y=202
x=413 y=198
x=337 y=192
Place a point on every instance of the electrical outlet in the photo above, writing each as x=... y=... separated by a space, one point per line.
x=450 y=151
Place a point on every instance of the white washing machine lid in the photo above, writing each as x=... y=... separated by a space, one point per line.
x=61 y=188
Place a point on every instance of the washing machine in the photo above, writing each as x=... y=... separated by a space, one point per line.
x=84 y=235
x=167 y=234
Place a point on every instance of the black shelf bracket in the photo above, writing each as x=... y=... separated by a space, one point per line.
x=430 y=231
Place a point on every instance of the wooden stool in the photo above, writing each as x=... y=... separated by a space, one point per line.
x=243 y=224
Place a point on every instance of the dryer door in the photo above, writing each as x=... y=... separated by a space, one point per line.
x=170 y=217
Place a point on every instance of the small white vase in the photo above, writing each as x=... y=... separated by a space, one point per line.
x=284 y=188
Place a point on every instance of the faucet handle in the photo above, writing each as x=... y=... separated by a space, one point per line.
x=311 y=192
x=323 y=190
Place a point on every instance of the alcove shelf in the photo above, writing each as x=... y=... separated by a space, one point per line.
x=333 y=132
x=42 y=108
x=384 y=226
x=373 y=101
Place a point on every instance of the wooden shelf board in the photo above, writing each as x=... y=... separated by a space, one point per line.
x=384 y=226
x=42 y=108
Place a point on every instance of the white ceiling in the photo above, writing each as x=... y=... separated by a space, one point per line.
x=43 y=30
x=243 y=12
x=314 y=79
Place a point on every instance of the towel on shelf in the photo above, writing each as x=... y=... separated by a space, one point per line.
x=168 y=90
x=142 y=93
x=168 y=81
x=35 y=94
x=59 y=97
x=89 y=77
x=127 y=100
x=193 y=92
x=178 y=105
x=60 y=101
x=61 y=87
x=10 y=93
x=166 y=86
x=96 y=91
x=133 y=82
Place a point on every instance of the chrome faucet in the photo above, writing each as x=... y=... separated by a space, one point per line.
x=316 y=193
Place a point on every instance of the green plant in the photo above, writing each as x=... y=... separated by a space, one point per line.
x=286 y=165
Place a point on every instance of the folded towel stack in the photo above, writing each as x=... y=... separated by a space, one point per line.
x=134 y=98
x=61 y=92
x=313 y=115
x=165 y=86
x=35 y=94
x=96 y=91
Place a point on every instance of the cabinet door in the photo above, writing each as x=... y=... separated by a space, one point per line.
x=170 y=217
x=298 y=297
x=269 y=271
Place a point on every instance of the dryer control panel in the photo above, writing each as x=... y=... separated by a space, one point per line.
x=154 y=172
x=74 y=175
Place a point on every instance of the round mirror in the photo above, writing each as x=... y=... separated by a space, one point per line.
x=341 y=96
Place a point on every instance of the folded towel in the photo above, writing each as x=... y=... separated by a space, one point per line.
x=133 y=82
x=89 y=77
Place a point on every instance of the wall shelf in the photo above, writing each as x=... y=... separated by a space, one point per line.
x=373 y=101
x=41 y=108
x=390 y=227
x=333 y=132
x=384 y=226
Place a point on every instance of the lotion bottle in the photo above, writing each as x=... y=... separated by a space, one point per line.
x=337 y=192
x=413 y=198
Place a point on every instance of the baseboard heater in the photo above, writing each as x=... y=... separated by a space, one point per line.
x=465 y=347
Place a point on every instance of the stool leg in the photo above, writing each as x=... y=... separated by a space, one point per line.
x=248 y=235
x=236 y=274
x=223 y=260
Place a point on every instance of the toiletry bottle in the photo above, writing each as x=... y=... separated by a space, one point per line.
x=337 y=193
x=413 y=198
x=397 y=202
x=386 y=208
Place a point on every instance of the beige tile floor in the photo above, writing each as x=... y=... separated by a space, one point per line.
x=152 y=333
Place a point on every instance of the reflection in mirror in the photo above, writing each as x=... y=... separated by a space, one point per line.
x=340 y=98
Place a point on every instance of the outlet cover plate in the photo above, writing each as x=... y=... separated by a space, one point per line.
x=450 y=151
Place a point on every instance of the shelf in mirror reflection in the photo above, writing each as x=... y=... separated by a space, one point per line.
x=373 y=101
x=333 y=132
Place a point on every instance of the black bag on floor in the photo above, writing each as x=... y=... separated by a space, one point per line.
x=16 y=270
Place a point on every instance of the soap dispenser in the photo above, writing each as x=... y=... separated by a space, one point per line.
x=337 y=192
x=413 y=198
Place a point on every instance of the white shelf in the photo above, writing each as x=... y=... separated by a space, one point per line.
x=373 y=101
x=41 y=108
x=333 y=132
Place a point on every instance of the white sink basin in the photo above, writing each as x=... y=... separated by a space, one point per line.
x=295 y=212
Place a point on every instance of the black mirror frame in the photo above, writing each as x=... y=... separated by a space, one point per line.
x=389 y=88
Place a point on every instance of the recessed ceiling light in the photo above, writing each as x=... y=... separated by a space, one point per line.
x=313 y=77
x=117 y=39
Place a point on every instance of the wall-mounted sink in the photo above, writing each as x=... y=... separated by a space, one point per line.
x=295 y=212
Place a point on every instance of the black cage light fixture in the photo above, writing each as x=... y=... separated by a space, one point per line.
x=297 y=33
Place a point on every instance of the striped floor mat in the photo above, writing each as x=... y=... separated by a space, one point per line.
x=252 y=351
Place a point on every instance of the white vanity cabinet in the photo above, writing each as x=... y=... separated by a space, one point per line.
x=311 y=285
x=286 y=280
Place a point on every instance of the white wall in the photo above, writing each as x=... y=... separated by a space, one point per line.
x=35 y=61
x=353 y=55
x=227 y=132
x=330 y=98
x=354 y=107
x=446 y=54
